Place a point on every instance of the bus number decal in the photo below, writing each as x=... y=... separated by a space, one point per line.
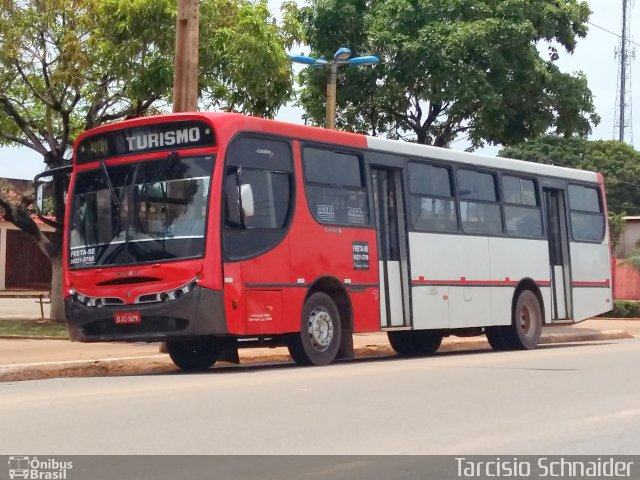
x=360 y=252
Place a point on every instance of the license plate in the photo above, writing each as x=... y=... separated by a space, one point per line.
x=123 y=318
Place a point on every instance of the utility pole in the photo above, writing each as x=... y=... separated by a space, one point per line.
x=623 y=118
x=332 y=73
x=185 y=79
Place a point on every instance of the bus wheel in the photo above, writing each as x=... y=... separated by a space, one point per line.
x=319 y=338
x=403 y=343
x=526 y=327
x=195 y=354
x=415 y=342
x=428 y=341
x=495 y=338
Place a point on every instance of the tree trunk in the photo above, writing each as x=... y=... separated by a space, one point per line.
x=57 y=302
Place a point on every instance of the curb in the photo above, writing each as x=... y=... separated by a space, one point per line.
x=161 y=363
x=31 y=337
x=22 y=318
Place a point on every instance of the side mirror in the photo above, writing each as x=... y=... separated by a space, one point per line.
x=40 y=197
x=43 y=190
x=246 y=200
x=43 y=183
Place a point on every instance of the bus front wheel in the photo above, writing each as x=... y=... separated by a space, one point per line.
x=319 y=338
x=194 y=354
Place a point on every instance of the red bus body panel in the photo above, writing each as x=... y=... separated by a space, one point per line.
x=262 y=295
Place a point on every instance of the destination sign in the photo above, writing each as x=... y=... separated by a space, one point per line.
x=150 y=138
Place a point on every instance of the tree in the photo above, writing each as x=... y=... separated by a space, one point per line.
x=69 y=65
x=618 y=162
x=616 y=228
x=451 y=68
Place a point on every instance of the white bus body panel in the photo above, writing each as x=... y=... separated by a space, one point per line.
x=591 y=274
x=395 y=293
x=469 y=281
x=383 y=296
x=558 y=291
x=516 y=259
x=445 y=259
x=450 y=257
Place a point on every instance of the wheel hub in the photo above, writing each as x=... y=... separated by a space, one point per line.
x=525 y=320
x=320 y=328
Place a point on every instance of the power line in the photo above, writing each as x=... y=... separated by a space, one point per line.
x=613 y=33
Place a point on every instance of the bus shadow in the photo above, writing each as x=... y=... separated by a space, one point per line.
x=230 y=369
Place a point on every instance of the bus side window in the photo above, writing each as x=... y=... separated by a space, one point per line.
x=232 y=200
x=479 y=203
x=271 y=195
x=262 y=166
x=432 y=204
x=587 y=219
x=521 y=207
x=335 y=187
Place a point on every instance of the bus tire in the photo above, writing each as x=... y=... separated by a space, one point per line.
x=495 y=338
x=526 y=324
x=319 y=339
x=410 y=343
x=403 y=343
x=194 y=354
x=429 y=341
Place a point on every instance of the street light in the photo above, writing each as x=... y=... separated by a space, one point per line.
x=341 y=57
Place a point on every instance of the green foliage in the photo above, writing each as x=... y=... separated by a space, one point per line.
x=617 y=161
x=616 y=227
x=244 y=65
x=633 y=260
x=450 y=68
x=68 y=65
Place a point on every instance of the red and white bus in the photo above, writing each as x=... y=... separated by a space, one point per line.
x=213 y=231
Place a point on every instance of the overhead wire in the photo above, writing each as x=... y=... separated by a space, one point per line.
x=613 y=33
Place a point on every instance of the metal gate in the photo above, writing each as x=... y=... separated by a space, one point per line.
x=27 y=267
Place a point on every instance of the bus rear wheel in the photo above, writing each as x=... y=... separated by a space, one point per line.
x=194 y=354
x=319 y=338
x=526 y=325
x=415 y=342
x=495 y=338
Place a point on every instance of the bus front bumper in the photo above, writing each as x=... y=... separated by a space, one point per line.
x=198 y=313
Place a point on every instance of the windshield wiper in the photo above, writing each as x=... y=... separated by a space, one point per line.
x=163 y=166
x=114 y=197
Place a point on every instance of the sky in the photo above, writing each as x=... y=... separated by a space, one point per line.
x=594 y=55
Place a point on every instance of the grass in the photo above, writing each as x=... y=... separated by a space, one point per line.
x=33 y=328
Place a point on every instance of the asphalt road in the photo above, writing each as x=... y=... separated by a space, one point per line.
x=558 y=399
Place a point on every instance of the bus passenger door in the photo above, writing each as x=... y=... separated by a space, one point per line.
x=560 y=265
x=392 y=247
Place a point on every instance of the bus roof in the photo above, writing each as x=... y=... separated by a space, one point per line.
x=445 y=154
x=244 y=122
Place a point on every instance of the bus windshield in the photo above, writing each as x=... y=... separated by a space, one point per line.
x=140 y=212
